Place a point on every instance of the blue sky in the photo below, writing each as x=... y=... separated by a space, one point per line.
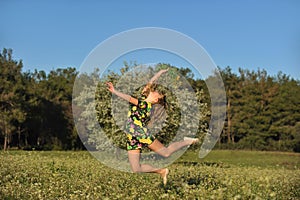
x=249 y=34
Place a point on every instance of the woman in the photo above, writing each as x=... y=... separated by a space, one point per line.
x=141 y=114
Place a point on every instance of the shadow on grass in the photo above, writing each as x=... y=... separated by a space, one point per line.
x=179 y=184
x=205 y=163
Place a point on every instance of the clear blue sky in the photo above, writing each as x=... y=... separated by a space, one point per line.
x=249 y=34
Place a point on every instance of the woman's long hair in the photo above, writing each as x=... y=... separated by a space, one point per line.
x=159 y=113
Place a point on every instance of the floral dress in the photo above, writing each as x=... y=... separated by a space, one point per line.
x=136 y=125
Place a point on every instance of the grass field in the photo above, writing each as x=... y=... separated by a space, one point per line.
x=220 y=175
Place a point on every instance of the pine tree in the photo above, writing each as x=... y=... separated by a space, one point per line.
x=11 y=94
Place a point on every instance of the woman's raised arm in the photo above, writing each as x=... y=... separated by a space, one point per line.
x=154 y=78
x=121 y=95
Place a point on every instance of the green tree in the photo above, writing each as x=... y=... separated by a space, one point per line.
x=11 y=96
x=51 y=122
x=231 y=82
x=108 y=109
x=286 y=114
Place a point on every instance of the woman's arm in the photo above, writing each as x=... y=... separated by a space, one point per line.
x=154 y=78
x=157 y=75
x=121 y=95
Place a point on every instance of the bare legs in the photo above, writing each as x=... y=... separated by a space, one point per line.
x=159 y=148
x=136 y=167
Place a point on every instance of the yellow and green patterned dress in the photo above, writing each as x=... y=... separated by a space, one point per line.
x=136 y=125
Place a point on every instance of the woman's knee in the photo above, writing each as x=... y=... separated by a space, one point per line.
x=165 y=153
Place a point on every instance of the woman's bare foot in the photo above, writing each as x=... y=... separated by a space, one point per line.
x=192 y=140
x=164 y=175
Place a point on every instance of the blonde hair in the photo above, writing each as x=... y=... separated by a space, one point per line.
x=159 y=113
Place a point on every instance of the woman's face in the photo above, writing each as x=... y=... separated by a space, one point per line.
x=156 y=96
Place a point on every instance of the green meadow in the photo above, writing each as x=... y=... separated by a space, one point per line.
x=220 y=175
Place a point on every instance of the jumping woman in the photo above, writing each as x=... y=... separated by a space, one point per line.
x=140 y=115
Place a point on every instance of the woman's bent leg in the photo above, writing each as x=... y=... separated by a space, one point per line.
x=160 y=149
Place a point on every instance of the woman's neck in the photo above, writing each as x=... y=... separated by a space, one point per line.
x=150 y=100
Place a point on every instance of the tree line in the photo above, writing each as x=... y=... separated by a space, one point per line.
x=263 y=111
x=36 y=109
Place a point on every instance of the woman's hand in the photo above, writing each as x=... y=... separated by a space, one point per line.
x=110 y=87
x=163 y=70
